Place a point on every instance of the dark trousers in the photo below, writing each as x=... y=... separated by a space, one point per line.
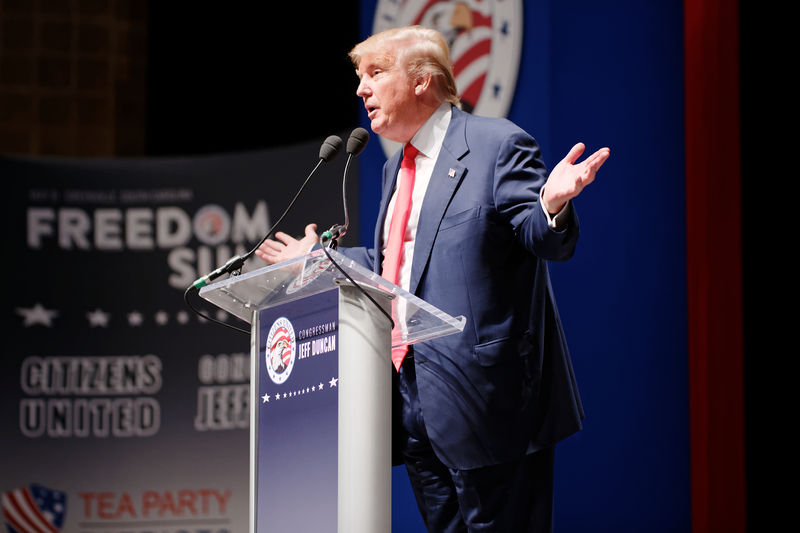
x=512 y=497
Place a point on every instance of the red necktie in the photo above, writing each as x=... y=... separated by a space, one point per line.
x=393 y=258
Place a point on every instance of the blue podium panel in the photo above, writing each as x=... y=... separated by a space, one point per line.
x=296 y=442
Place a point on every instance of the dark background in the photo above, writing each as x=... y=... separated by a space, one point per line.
x=205 y=96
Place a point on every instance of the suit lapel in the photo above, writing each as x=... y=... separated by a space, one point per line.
x=447 y=175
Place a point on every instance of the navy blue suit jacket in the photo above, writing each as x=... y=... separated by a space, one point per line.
x=505 y=385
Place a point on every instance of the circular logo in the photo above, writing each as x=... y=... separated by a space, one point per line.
x=485 y=39
x=280 y=350
x=310 y=272
x=212 y=224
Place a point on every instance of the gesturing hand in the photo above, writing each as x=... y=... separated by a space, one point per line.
x=286 y=247
x=568 y=179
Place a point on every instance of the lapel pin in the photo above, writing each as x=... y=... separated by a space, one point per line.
x=452 y=173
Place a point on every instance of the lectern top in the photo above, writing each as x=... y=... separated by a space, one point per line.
x=313 y=273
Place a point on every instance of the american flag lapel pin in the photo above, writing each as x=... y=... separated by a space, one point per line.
x=452 y=173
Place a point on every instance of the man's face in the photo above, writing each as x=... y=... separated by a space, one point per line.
x=389 y=96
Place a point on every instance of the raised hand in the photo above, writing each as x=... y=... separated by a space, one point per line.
x=286 y=247
x=568 y=178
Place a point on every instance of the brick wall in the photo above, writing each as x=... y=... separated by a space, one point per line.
x=73 y=77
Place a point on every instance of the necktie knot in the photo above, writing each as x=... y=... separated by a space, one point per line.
x=409 y=154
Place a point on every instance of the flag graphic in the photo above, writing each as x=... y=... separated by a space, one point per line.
x=34 y=509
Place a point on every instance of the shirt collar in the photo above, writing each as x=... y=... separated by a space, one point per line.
x=429 y=138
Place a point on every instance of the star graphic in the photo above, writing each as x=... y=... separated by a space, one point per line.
x=98 y=318
x=333 y=382
x=320 y=386
x=277 y=396
x=265 y=398
x=284 y=395
x=135 y=318
x=314 y=388
x=37 y=315
x=162 y=317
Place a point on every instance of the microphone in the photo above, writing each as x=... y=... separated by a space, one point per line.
x=329 y=149
x=355 y=145
x=357 y=141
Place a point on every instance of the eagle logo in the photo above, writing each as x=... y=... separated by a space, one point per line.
x=280 y=350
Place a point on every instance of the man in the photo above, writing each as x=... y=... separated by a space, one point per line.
x=480 y=411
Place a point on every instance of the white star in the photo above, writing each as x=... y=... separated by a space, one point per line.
x=182 y=317
x=320 y=386
x=162 y=317
x=37 y=315
x=135 y=318
x=332 y=382
x=98 y=318
x=277 y=396
x=265 y=398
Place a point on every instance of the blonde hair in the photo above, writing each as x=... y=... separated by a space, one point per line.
x=423 y=50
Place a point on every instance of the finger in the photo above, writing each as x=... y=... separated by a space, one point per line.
x=266 y=257
x=574 y=153
x=271 y=246
x=594 y=163
x=598 y=158
x=311 y=231
x=284 y=237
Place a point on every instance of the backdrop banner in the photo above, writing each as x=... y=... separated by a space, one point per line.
x=122 y=409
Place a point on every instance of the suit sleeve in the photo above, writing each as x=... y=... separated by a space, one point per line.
x=361 y=255
x=519 y=176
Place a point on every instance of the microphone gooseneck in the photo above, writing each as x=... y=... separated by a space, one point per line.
x=329 y=239
x=356 y=143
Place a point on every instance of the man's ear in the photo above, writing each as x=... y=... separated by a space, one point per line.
x=422 y=84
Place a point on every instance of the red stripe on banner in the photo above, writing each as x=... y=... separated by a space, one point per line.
x=473 y=92
x=481 y=48
x=18 y=512
x=13 y=522
x=35 y=514
x=714 y=265
x=422 y=11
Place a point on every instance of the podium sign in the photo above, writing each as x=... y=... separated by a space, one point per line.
x=297 y=430
x=320 y=389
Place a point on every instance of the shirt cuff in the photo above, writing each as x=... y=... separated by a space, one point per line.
x=557 y=221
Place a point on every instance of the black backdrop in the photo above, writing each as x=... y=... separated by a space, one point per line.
x=249 y=75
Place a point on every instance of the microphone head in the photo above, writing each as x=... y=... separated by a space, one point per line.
x=330 y=147
x=357 y=141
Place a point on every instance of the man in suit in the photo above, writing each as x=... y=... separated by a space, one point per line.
x=478 y=412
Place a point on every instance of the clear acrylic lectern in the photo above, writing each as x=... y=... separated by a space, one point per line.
x=320 y=388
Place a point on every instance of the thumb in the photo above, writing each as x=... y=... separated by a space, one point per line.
x=311 y=231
